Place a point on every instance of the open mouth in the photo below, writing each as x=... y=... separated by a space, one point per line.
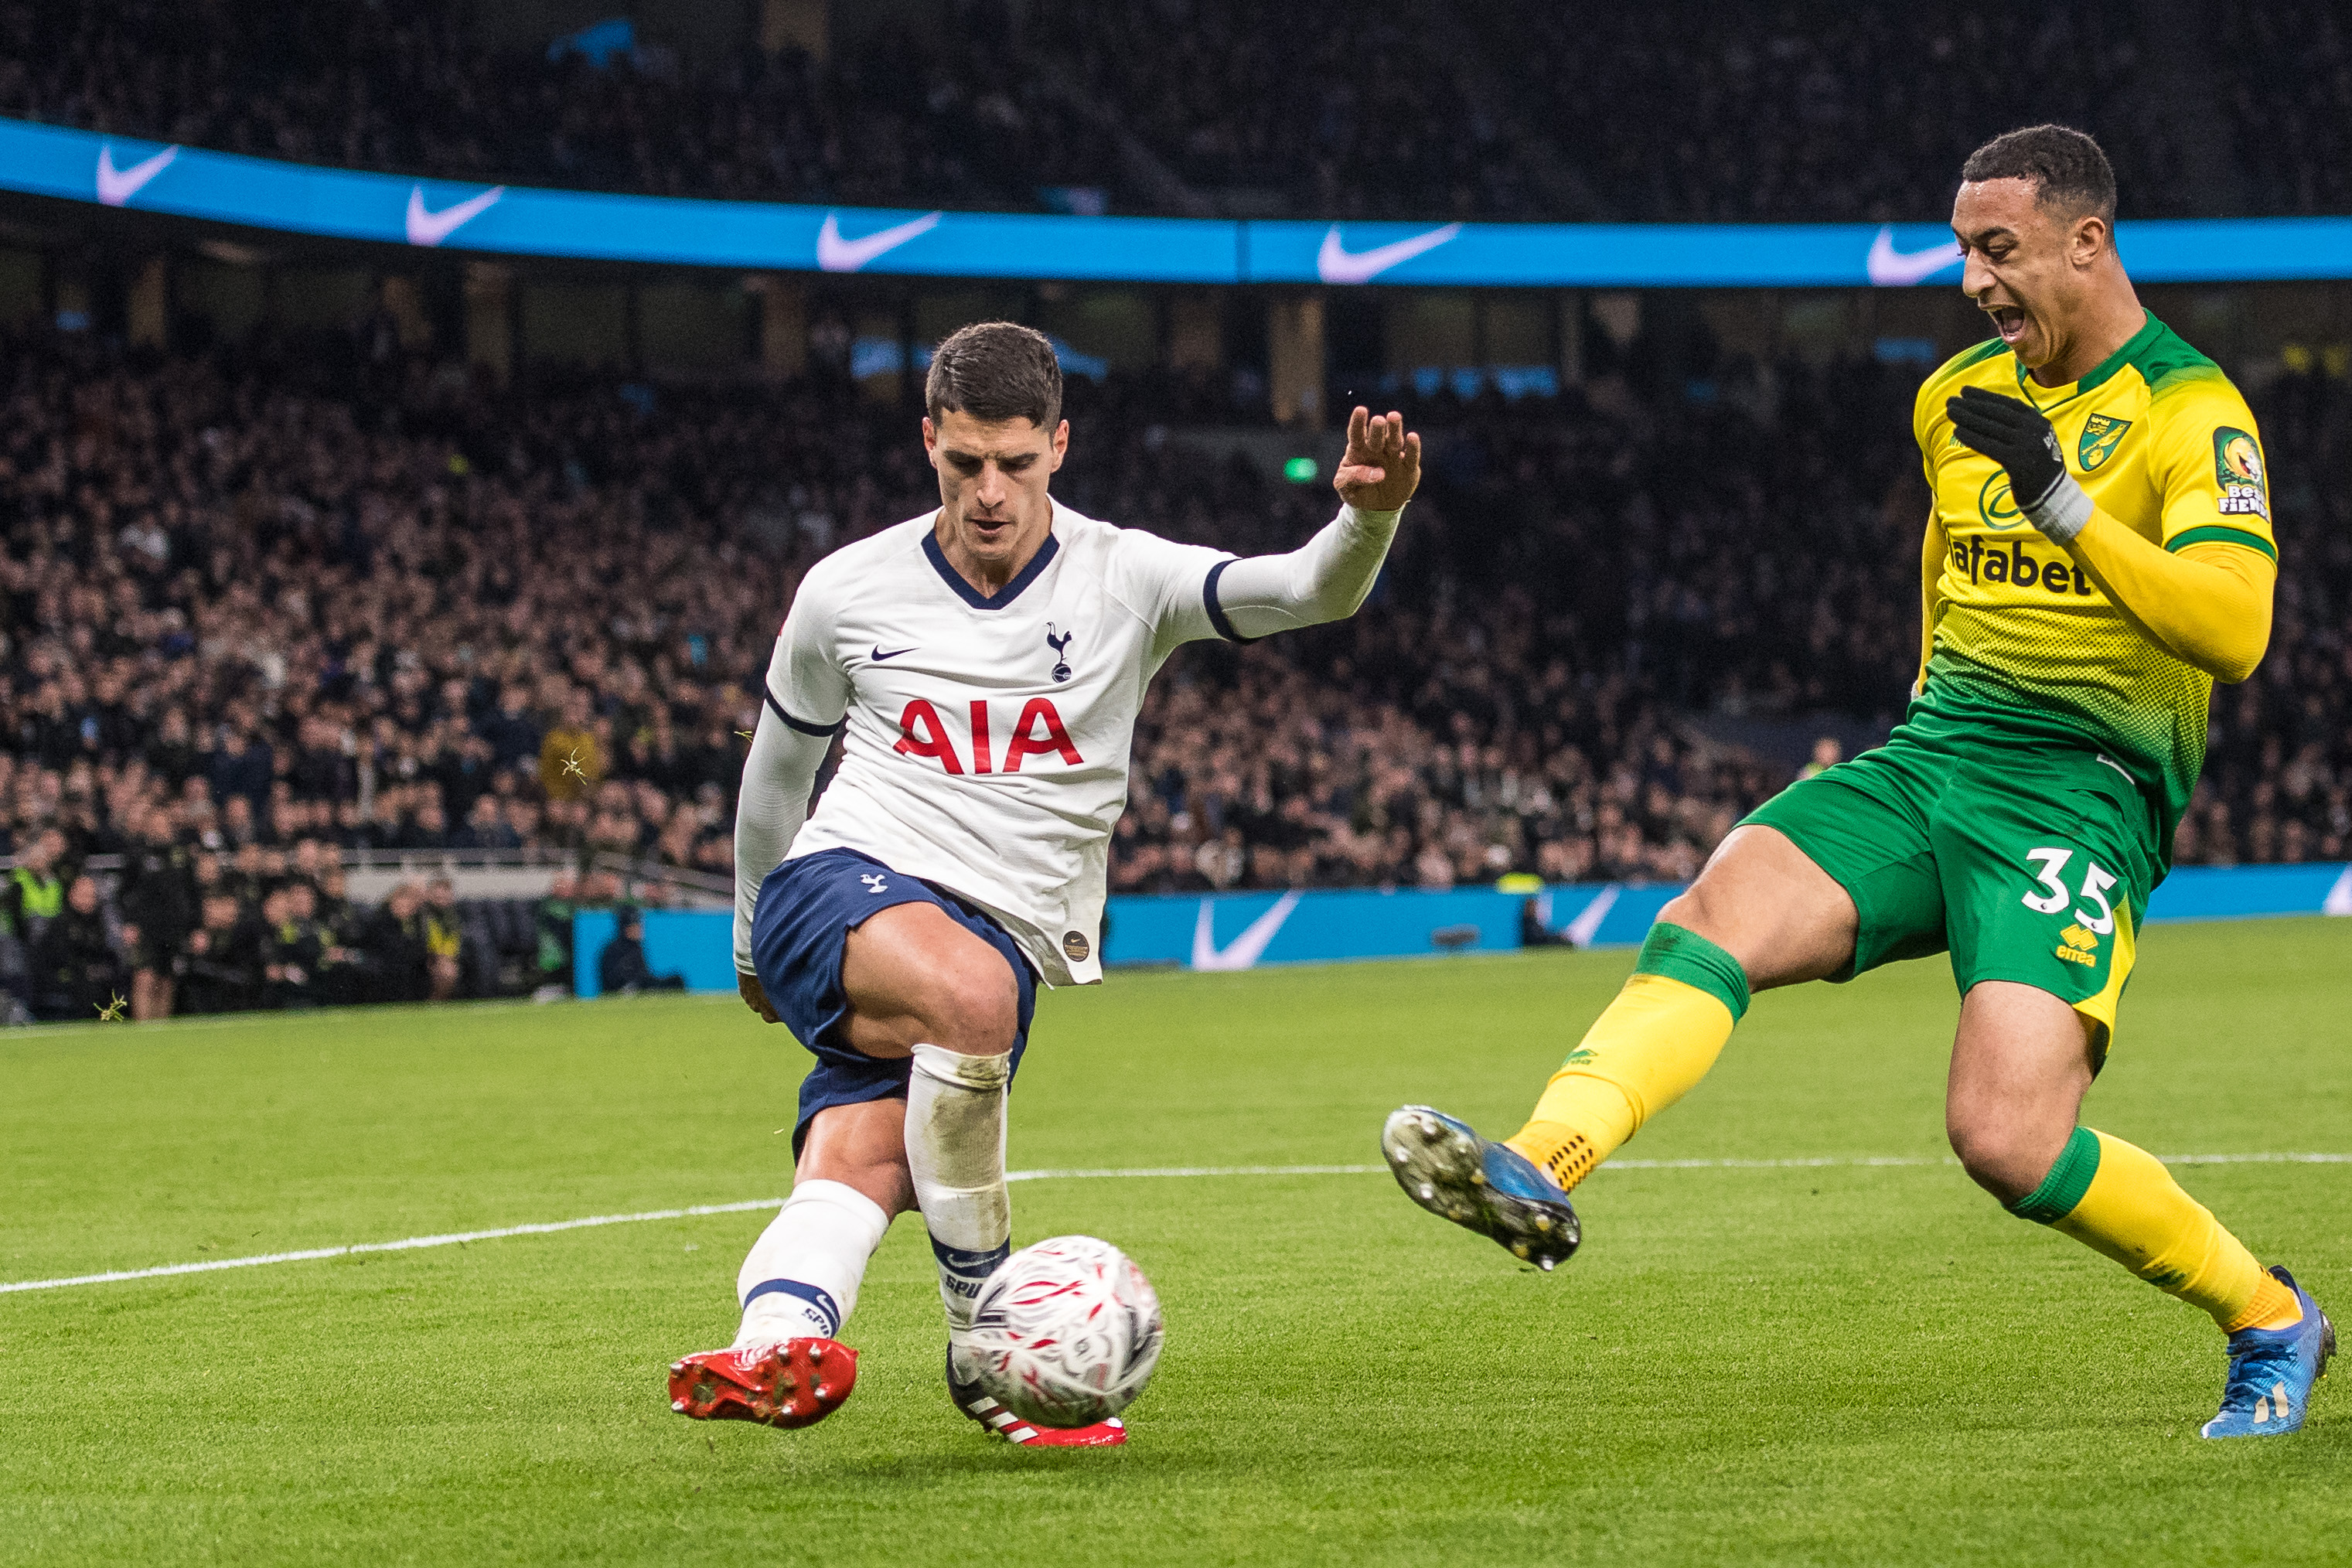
x=2007 y=321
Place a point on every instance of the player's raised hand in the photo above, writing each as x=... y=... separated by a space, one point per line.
x=1382 y=465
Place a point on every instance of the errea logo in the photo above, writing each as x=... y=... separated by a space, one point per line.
x=2076 y=945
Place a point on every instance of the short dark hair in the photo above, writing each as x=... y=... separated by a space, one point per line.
x=995 y=371
x=2066 y=167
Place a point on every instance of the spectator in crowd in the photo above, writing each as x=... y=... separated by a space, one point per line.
x=398 y=948
x=553 y=921
x=363 y=583
x=292 y=952
x=1533 y=932
x=220 y=970
x=572 y=757
x=622 y=969
x=445 y=942
x=157 y=899
x=1671 y=110
x=80 y=958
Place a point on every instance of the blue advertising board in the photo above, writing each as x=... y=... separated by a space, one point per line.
x=1244 y=931
x=261 y=192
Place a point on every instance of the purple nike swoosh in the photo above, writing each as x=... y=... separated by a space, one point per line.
x=879 y=656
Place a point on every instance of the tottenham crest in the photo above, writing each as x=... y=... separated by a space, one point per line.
x=1058 y=643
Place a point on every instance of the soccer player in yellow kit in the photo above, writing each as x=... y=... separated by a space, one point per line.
x=2099 y=552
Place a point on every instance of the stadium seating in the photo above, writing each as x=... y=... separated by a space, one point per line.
x=1671 y=110
x=393 y=615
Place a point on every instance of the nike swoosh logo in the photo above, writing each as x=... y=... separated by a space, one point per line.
x=1892 y=269
x=1335 y=263
x=430 y=227
x=116 y=186
x=834 y=254
x=1243 y=951
x=1581 y=931
x=879 y=656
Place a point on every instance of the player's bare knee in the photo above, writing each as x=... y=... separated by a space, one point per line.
x=2002 y=1159
x=1695 y=909
x=975 y=1007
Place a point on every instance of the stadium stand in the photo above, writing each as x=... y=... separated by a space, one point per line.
x=1671 y=111
x=257 y=614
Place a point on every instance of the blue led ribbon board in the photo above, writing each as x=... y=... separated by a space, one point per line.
x=515 y=220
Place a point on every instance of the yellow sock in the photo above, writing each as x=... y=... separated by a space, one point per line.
x=2274 y=1306
x=2120 y=1201
x=1655 y=1040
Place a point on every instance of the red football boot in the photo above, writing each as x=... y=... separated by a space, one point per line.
x=979 y=1407
x=795 y=1383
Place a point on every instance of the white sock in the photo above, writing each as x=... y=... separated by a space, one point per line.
x=801 y=1279
x=955 y=1152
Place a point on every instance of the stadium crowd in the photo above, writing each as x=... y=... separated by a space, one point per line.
x=1669 y=110
x=252 y=620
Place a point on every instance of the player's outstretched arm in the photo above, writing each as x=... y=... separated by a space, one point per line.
x=1327 y=577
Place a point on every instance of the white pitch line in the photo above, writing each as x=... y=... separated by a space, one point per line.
x=409 y=1244
x=458 y=1238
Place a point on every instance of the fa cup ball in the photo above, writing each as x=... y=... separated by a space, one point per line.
x=1065 y=1333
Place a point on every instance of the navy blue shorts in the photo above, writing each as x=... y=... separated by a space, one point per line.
x=807 y=909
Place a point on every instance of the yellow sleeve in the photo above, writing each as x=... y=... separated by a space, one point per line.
x=1932 y=549
x=2202 y=592
x=2206 y=460
x=2209 y=606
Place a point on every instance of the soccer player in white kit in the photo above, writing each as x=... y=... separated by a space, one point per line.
x=988 y=661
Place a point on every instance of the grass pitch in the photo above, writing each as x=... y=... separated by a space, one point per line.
x=1833 y=1364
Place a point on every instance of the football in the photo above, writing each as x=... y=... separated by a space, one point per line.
x=1065 y=1333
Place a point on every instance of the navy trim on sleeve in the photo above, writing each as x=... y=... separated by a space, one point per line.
x=804 y=727
x=1005 y=595
x=1216 y=611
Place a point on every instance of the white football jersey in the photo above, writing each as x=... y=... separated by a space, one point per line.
x=988 y=737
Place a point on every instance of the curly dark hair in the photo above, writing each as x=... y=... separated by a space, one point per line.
x=2068 y=170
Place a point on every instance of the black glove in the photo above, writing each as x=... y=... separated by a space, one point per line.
x=2013 y=434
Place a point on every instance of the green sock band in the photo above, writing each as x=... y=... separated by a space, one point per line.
x=2062 y=1188
x=1676 y=954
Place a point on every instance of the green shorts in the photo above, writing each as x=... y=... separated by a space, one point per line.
x=2028 y=860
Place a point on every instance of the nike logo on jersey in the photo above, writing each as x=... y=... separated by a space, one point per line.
x=116 y=186
x=881 y=658
x=428 y=229
x=1335 y=263
x=834 y=254
x=1892 y=269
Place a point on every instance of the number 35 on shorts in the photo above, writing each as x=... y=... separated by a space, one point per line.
x=2053 y=895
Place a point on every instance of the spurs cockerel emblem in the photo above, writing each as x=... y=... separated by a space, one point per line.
x=1057 y=643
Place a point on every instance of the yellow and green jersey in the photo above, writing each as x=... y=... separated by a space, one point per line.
x=2021 y=638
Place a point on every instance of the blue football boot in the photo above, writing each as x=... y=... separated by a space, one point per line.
x=1481 y=1185
x=2271 y=1371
